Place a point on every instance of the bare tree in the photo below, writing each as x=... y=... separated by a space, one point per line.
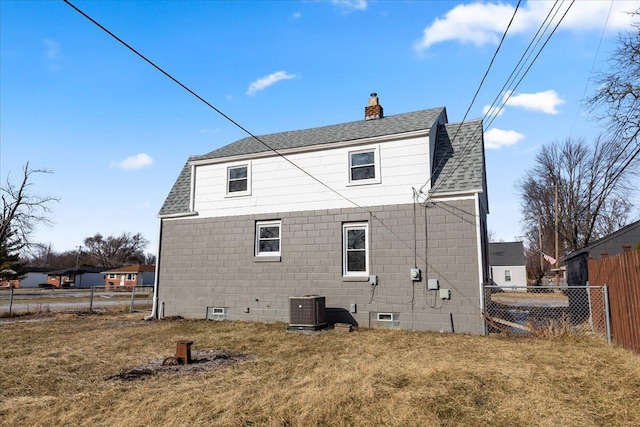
x=22 y=211
x=617 y=99
x=116 y=251
x=593 y=188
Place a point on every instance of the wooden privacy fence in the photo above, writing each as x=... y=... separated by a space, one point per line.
x=621 y=273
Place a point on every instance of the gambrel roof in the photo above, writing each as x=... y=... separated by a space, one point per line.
x=466 y=174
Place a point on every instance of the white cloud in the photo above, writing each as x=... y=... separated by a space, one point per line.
x=488 y=111
x=484 y=23
x=296 y=15
x=52 y=49
x=138 y=161
x=495 y=139
x=545 y=102
x=351 y=4
x=264 y=82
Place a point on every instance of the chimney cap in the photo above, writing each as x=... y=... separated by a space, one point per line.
x=373 y=94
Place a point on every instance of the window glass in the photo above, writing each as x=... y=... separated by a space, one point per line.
x=363 y=166
x=268 y=238
x=237 y=179
x=355 y=249
x=507 y=275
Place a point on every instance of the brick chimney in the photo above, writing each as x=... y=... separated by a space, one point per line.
x=374 y=109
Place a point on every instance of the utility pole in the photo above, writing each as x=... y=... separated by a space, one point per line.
x=540 y=245
x=557 y=257
x=78 y=256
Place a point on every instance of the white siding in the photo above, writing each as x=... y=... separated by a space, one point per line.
x=518 y=275
x=277 y=185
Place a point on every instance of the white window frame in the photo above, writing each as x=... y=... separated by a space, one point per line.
x=272 y=223
x=111 y=276
x=246 y=192
x=507 y=276
x=386 y=317
x=130 y=277
x=345 y=241
x=376 y=159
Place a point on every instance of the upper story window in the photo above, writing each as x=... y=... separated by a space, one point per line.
x=507 y=275
x=131 y=276
x=355 y=249
x=268 y=238
x=112 y=276
x=364 y=166
x=239 y=180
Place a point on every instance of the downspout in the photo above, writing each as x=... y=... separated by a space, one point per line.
x=480 y=259
x=154 y=308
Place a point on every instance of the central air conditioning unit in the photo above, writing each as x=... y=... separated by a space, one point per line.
x=307 y=313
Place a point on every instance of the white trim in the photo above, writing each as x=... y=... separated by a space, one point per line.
x=192 y=189
x=246 y=192
x=479 y=248
x=270 y=223
x=318 y=147
x=377 y=179
x=389 y=317
x=177 y=215
x=355 y=225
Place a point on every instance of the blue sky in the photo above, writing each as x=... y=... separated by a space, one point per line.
x=116 y=132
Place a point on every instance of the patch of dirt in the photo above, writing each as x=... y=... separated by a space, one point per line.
x=201 y=361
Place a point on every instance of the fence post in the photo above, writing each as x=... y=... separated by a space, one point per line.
x=11 y=302
x=605 y=289
x=133 y=295
x=91 y=299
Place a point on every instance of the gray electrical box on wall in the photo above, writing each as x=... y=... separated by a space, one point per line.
x=416 y=275
x=433 y=285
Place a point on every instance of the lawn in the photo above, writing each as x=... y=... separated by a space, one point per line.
x=68 y=369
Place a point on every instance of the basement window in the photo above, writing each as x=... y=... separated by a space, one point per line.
x=217 y=313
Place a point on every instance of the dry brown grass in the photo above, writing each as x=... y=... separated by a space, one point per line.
x=54 y=372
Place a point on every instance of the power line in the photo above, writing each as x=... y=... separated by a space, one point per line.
x=372 y=214
x=486 y=73
x=466 y=150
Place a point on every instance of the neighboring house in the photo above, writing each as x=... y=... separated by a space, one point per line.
x=33 y=276
x=129 y=276
x=508 y=265
x=576 y=262
x=76 y=277
x=331 y=211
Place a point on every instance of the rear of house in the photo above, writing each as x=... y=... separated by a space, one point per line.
x=384 y=217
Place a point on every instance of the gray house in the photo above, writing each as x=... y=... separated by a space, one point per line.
x=381 y=222
x=576 y=261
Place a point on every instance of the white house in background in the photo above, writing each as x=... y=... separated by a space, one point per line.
x=508 y=265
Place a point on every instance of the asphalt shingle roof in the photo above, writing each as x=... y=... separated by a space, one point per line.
x=506 y=254
x=459 y=164
x=466 y=176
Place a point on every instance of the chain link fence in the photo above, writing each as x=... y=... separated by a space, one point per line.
x=36 y=300
x=547 y=311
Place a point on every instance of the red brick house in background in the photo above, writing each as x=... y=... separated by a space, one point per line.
x=129 y=276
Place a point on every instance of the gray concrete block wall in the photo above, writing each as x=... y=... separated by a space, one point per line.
x=209 y=262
